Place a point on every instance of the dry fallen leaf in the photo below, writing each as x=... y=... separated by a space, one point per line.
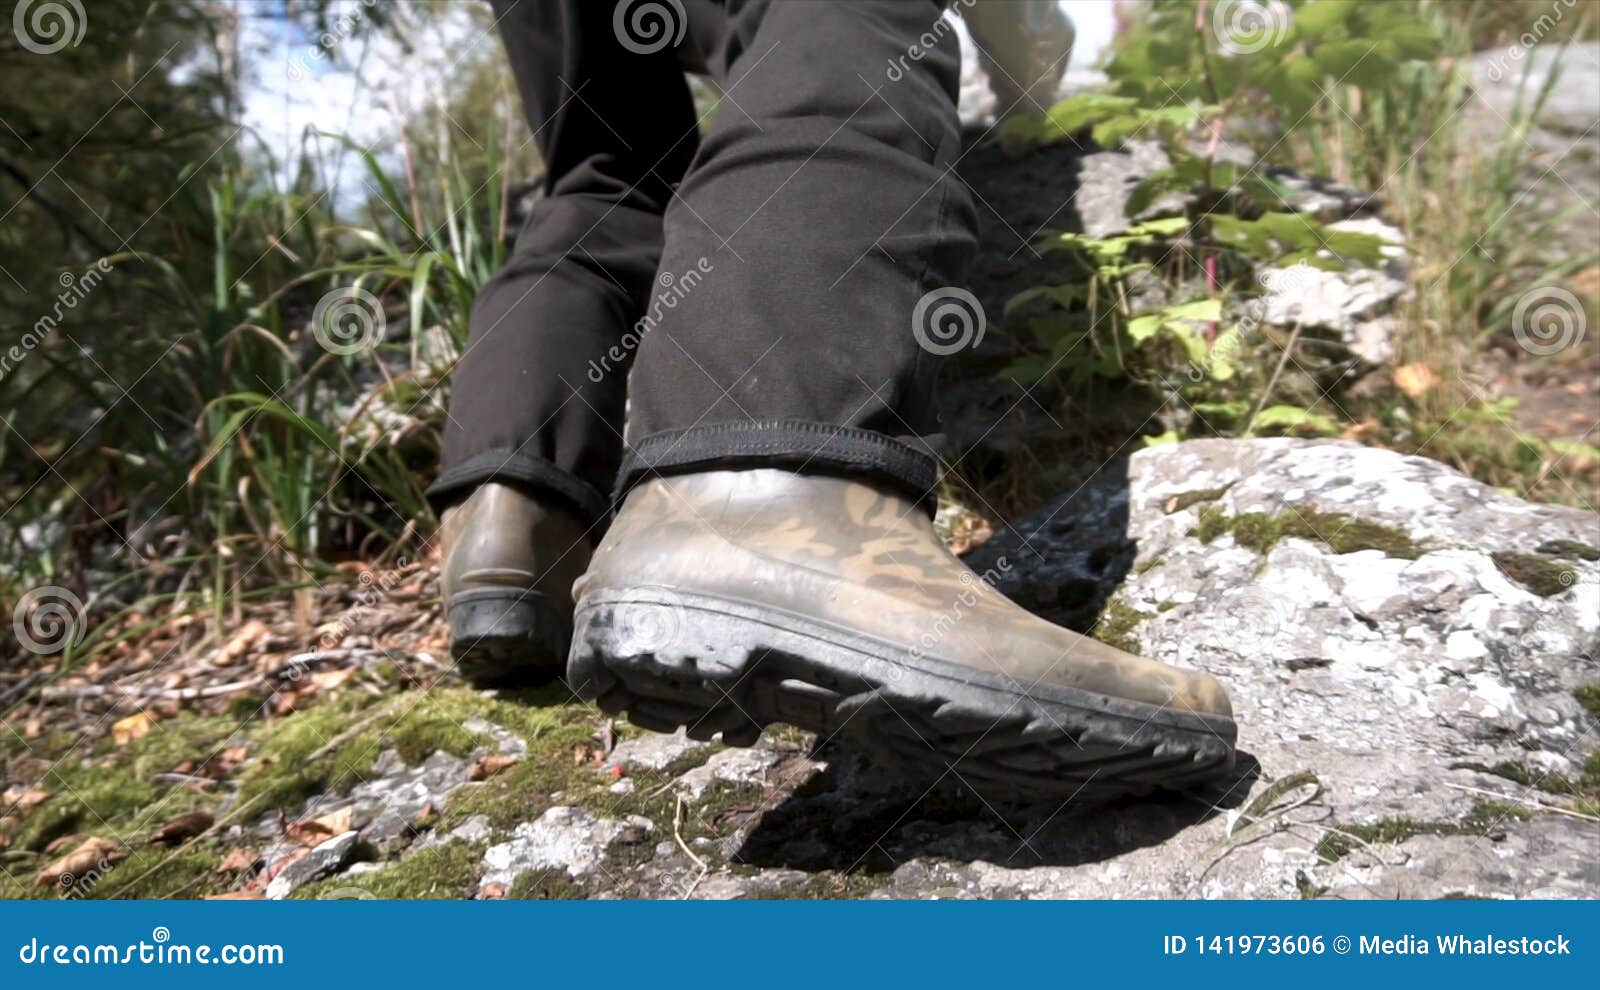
x=327 y=680
x=61 y=842
x=93 y=856
x=1415 y=378
x=240 y=643
x=1356 y=431
x=229 y=760
x=312 y=831
x=182 y=828
x=135 y=726
x=490 y=765
x=240 y=859
x=23 y=798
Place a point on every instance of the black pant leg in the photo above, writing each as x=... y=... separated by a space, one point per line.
x=616 y=128
x=818 y=222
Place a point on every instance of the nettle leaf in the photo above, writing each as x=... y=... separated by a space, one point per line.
x=1293 y=419
x=1160 y=227
x=1163 y=121
x=1293 y=86
x=1142 y=328
x=1286 y=238
x=1179 y=323
x=1222 y=361
x=1323 y=20
x=1054 y=332
x=1230 y=411
x=1367 y=63
x=1063 y=295
x=1084 y=109
x=1028 y=369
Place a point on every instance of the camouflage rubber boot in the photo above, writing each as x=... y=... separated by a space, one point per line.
x=729 y=600
x=509 y=564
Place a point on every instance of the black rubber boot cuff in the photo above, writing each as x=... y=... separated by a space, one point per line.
x=537 y=476
x=904 y=465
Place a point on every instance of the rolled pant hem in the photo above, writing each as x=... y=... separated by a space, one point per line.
x=905 y=465
x=507 y=465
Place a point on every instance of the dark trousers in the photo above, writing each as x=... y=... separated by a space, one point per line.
x=747 y=297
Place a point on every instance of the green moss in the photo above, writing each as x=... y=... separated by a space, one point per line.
x=301 y=755
x=825 y=886
x=1569 y=549
x=105 y=791
x=443 y=872
x=1520 y=773
x=1150 y=564
x=546 y=885
x=1485 y=816
x=1338 y=531
x=434 y=724
x=1183 y=500
x=1115 y=625
x=154 y=872
x=1213 y=522
x=1588 y=696
x=1539 y=575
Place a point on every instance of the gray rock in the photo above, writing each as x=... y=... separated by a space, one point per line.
x=731 y=766
x=654 y=751
x=325 y=858
x=1390 y=679
x=563 y=838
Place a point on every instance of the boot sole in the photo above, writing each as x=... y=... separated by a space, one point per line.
x=507 y=637
x=712 y=666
